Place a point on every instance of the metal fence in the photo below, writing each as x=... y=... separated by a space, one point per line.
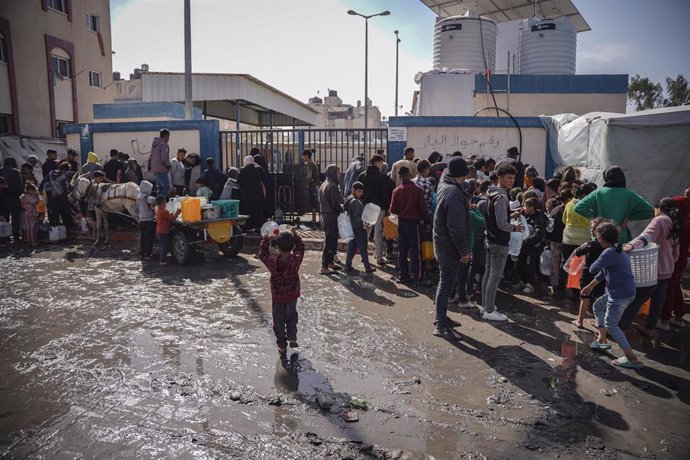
x=282 y=147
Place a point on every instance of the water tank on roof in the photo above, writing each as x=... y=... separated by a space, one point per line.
x=547 y=46
x=458 y=43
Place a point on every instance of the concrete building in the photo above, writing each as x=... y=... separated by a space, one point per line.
x=333 y=114
x=55 y=63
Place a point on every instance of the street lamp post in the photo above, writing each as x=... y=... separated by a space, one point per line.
x=366 y=65
x=397 y=45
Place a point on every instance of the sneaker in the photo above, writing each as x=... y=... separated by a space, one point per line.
x=381 y=262
x=348 y=268
x=679 y=322
x=529 y=289
x=494 y=316
x=519 y=286
x=664 y=326
x=404 y=279
x=467 y=304
x=450 y=322
x=335 y=267
x=454 y=299
x=441 y=332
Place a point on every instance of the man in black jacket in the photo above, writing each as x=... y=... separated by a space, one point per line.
x=330 y=201
x=375 y=191
x=514 y=160
x=11 y=196
x=451 y=238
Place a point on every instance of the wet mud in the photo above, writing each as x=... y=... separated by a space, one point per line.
x=103 y=356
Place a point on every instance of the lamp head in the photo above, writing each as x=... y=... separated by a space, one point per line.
x=352 y=12
x=396 y=32
x=385 y=13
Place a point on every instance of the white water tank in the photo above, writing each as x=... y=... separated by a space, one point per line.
x=547 y=47
x=458 y=43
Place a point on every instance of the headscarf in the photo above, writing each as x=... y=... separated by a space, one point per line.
x=248 y=160
x=569 y=174
x=614 y=177
x=260 y=160
x=92 y=158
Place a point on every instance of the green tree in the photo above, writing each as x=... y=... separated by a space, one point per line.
x=644 y=94
x=678 y=92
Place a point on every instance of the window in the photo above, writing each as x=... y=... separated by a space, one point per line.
x=95 y=79
x=3 y=49
x=5 y=123
x=59 y=66
x=93 y=22
x=58 y=5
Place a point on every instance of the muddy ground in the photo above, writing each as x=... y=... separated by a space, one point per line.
x=103 y=356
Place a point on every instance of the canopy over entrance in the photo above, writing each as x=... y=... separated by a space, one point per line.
x=237 y=97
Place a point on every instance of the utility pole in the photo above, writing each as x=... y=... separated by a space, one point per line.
x=187 y=61
x=397 y=45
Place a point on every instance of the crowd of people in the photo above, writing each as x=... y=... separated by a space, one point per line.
x=471 y=207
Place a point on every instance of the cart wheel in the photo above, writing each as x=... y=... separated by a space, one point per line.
x=180 y=247
x=234 y=246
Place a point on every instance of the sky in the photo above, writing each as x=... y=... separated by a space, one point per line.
x=306 y=47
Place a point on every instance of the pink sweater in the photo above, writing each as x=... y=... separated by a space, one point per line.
x=657 y=232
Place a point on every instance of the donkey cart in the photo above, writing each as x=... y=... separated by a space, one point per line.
x=225 y=232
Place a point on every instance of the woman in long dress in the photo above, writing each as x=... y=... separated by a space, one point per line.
x=252 y=193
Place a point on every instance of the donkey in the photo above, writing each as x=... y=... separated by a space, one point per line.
x=106 y=198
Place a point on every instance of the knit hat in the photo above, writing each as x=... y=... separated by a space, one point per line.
x=457 y=167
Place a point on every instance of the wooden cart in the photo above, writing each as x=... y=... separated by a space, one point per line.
x=225 y=232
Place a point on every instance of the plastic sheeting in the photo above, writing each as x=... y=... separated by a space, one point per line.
x=446 y=93
x=652 y=147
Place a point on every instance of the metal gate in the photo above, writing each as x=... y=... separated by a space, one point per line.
x=282 y=147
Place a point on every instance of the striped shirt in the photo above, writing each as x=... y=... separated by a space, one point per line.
x=425 y=185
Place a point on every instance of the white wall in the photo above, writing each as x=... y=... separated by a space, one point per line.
x=141 y=147
x=485 y=142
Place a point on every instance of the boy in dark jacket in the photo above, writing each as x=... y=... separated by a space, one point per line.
x=528 y=262
x=409 y=205
x=354 y=207
x=285 y=286
x=376 y=191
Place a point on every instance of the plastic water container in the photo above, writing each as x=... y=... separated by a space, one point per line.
x=345 y=227
x=54 y=234
x=63 y=232
x=390 y=230
x=211 y=213
x=516 y=237
x=645 y=265
x=5 y=229
x=394 y=219
x=173 y=204
x=428 y=251
x=228 y=208
x=270 y=228
x=191 y=210
x=371 y=214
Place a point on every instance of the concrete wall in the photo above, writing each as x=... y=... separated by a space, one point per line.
x=533 y=105
x=484 y=136
x=134 y=138
x=29 y=25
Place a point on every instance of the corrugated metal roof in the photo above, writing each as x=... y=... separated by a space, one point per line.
x=510 y=10
x=251 y=92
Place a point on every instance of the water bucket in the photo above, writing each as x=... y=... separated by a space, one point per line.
x=41 y=207
x=191 y=210
x=371 y=214
x=270 y=228
x=644 y=264
x=427 y=251
x=62 y=231
x=228 y=208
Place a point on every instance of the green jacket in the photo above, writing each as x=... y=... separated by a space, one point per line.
x=617 y=204
x=477 y=225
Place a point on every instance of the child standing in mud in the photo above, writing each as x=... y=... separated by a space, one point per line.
x=284 y=262
x=164 y=220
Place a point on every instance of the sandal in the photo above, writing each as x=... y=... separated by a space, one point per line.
x=596 y=345
x=624 y=362
x=579 y=324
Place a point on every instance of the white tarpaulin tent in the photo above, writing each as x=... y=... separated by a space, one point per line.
x=652 y=147
x=20 y=148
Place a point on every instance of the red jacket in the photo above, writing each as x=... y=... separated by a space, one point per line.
x=408 y=202
x=164 y=219
x=284 y=272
